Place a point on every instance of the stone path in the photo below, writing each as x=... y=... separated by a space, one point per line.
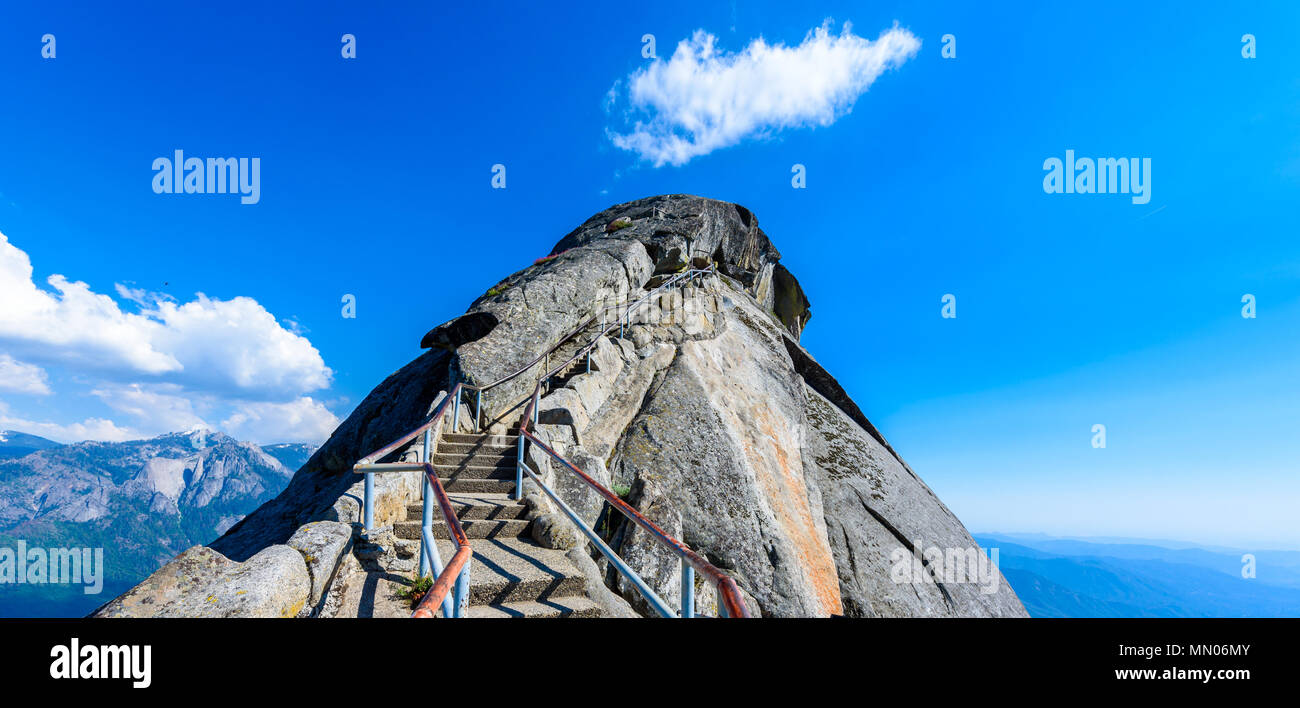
x=510 y=574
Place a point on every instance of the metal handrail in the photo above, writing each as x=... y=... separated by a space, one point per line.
x=458 y=568
x=391 y=447
x=580 y=328
x=619 y=321
x=730 y=603
x=457 y=571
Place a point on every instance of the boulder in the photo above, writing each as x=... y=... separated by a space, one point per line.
x=188 y=572
x=563 y=406
x=555 y=530
x=625 y=400
x=459 y=331
x=322 y=545
x=203 y=583
x=595 y=387
x=580 y=497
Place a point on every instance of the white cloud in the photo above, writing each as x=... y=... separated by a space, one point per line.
x=19 y=377
x=163 y=366
x=89 y=429
x=160 y=409
x=218 y=345
x=302 y=420
x=702 y=99
x=236 y=341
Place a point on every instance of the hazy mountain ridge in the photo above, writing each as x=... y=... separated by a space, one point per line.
x=142 y=501
x=16 y=444
x=1072 y=578
x=291 y=455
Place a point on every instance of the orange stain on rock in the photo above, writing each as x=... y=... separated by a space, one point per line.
x=788 y=495
x=780 y=477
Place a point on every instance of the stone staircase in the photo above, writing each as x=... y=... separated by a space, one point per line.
x=577 y=367
x=510 y=574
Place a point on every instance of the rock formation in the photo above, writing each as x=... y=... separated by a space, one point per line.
x=707 y=415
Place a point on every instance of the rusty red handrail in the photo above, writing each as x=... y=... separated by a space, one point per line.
x=728 y=591
x=449 y=575
x=428 y=605
x=438 y=413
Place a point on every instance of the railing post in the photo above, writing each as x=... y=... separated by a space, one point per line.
x=462 y=590
x=478 y=409
x=519 y=468
x=369 y=518
x=426 y=510
x=688 y=590
x=436 y=561
x=455 y=412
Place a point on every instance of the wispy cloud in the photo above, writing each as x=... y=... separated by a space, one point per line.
x=702 y=99
x=21 y=377
x=89 y=429
x=300 y=420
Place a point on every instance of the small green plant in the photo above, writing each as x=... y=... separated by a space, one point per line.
x=497 y=289
x=622 y=490
x=416 y=591
x=620 y=223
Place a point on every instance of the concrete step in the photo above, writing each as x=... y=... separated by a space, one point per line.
x=506 y=570
x=581 y=363
x=454 y=448
x=563 y=380
x=577 y=606
x=478 y=528
x=466 y=485
x=477 y=506
x=481 y=439
x=476 y=460
x=453 y=472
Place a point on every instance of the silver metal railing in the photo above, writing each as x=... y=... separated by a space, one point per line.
x=730 y=602
x=451 y=582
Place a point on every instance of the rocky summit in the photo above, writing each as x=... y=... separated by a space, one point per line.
x=703 y=412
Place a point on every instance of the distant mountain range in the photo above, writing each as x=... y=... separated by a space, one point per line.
x=15 y=444
x=1057 y=577
x=142 y=501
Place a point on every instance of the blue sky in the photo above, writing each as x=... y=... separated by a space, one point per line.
x=1072 y=310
